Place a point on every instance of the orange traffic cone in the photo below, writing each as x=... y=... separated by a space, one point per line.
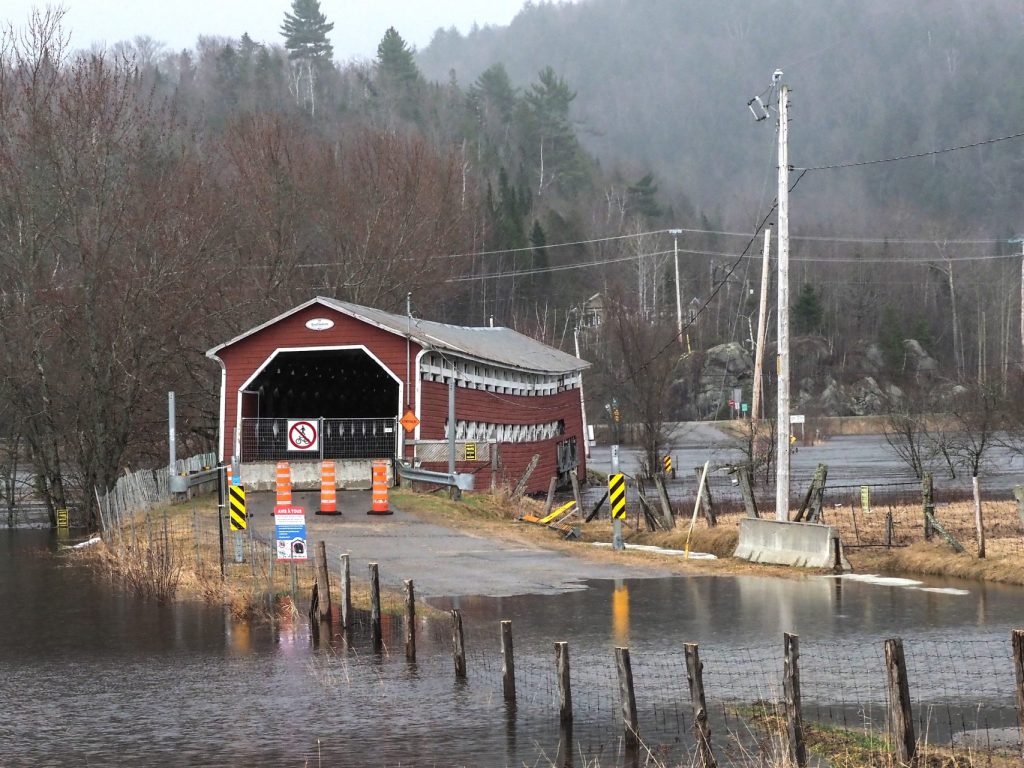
x=328 y=492
x=380 y=489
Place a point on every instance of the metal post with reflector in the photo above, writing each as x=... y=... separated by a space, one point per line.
x=380 y=489
x=328 y=491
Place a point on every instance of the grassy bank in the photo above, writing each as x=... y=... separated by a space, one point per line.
x=173 y=552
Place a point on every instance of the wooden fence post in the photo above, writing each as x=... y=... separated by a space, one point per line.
x=575 y=481
x=375 y=632
x=626 y=698
x=323 y=584
x=346 y=592
x=508 y=663
x=458 y=645
x=1017 y=640
x=564 y=684
x=928 y=503
x=888 y=529
x=791 y=691
x=979 y=523
x=746 y=481
x=666 y=506
x=695 y=675
x=901 y=721
x=410 y=620
x=549 y=504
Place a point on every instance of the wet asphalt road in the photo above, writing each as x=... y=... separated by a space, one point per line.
x=853 y=460
x=443 y=562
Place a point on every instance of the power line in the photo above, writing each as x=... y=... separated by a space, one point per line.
x=897 y=158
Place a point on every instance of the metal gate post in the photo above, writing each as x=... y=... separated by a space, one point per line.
x=320 y=426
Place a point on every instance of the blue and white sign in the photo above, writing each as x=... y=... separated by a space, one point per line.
x=290 y=532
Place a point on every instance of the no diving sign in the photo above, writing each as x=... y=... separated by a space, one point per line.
x=303 y=436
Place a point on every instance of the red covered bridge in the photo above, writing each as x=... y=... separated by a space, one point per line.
x=330 y=380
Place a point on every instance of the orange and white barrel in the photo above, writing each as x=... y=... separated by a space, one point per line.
x=328 y=490
x=284 y=484
x=380 y=489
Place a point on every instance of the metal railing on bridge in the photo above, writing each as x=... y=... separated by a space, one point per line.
x=265 y=439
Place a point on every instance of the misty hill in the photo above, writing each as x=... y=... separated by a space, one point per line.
x=663 y=84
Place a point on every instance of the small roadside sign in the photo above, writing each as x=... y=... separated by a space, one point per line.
x=63 y=518
x=865 y=498
x=236 y=495
x=409 y=421
x=796 y=418
x=470 y=451
x=290 y=532
x=617 y=496
x=303 y=436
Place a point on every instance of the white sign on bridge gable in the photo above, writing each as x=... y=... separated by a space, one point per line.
x=303 y=435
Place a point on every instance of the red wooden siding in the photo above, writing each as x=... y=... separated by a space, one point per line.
x=493 y=408
x=245 y=356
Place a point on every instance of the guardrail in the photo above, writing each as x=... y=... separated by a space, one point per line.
x=461 y=480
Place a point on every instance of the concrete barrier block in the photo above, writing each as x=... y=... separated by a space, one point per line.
x=804 y=545
x=350 y=475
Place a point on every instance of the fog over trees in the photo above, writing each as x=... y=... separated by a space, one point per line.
x=154 y=203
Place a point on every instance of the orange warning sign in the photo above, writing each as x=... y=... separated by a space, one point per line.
x=409 y=421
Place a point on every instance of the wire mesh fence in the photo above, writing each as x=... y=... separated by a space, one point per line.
x=264 y=439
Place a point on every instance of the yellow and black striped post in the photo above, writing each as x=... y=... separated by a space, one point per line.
x=617 y=496
x=667 y=463
x=237 y=507
x=617 y=502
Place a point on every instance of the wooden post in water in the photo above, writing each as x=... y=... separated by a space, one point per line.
x=626 y=697
x=927 y=503
x=410 y=621
x=458 y=645
x=323 y=584
x=376 y=637
x=791 y=691
x=901 y=721
x=1017 y=640
x=508 y=664
x=564 y=685
x=346 y=592
x=695 y=675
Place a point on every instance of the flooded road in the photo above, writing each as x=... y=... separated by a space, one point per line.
x=90 y=675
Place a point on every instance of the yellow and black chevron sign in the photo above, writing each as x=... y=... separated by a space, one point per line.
x=617 y=496
x=237 y=496
x=668 y=464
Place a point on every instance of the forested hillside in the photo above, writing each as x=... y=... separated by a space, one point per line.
x=154 y=203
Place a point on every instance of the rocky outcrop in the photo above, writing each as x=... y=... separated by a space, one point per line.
x=855 y=384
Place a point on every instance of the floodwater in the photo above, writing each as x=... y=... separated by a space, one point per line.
x=89 y=675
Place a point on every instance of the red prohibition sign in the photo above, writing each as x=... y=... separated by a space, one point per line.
x=302 y=435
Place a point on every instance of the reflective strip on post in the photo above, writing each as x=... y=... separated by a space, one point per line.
x=236 y=495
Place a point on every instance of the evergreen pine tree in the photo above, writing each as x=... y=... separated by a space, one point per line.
x=807 y=311
x=305 y=32
x=395 y=62
x=305 y=37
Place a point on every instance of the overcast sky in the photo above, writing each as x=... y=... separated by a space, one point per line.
x=358 y=24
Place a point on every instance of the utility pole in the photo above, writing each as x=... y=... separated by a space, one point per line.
x=782 y=427
x=679 y=291
x=762 y=331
